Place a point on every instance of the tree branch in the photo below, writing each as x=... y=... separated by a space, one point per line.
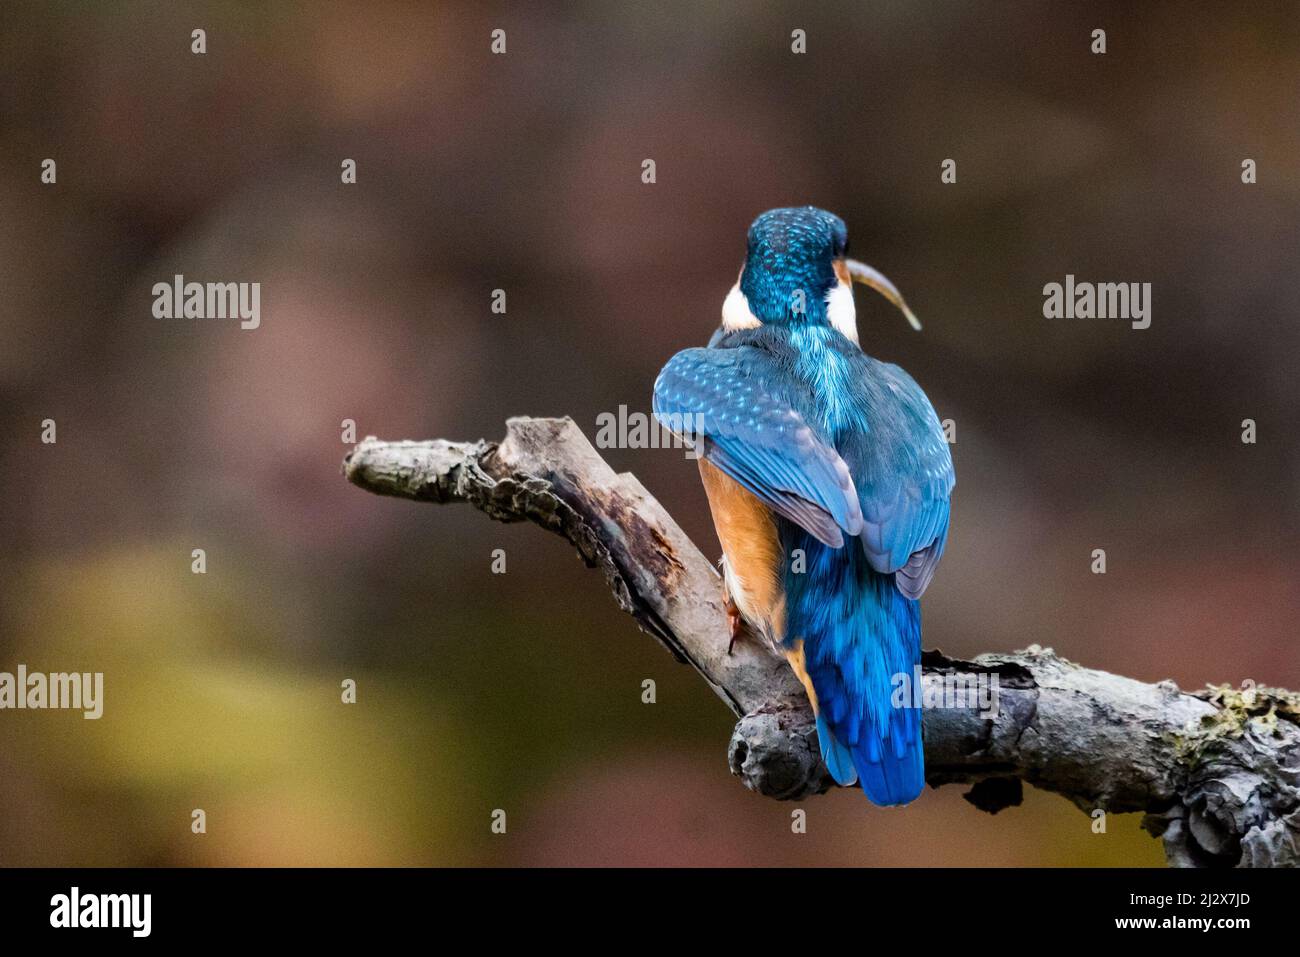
x=1216 y=773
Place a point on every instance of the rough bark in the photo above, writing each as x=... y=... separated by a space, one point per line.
x=1216 y=772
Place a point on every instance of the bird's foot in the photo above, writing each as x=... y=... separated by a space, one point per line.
x=735 y=624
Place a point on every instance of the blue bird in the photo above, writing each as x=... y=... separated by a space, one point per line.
x=828 y=476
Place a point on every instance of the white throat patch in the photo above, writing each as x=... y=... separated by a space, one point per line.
x=736 y=313
x=841 y=312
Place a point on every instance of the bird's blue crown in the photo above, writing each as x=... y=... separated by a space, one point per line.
x=790 y=263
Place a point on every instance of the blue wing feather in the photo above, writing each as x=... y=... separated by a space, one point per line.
x=903 y=469
x=757 y=436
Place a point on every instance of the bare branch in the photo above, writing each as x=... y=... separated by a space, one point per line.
x=1216 y=773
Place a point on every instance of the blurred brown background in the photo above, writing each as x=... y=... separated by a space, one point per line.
x=522 y=691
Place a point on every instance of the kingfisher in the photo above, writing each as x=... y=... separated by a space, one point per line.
x=828 y=477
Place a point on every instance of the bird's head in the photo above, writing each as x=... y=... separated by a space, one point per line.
x=797 y=271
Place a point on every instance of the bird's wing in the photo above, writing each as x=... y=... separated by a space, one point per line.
x=733 y=403
x=904 y=475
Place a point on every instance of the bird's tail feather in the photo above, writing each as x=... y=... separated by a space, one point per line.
x=888 y=777
x=859 y=634
x=898 y=775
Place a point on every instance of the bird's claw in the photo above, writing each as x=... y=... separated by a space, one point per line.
x=735 y=624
